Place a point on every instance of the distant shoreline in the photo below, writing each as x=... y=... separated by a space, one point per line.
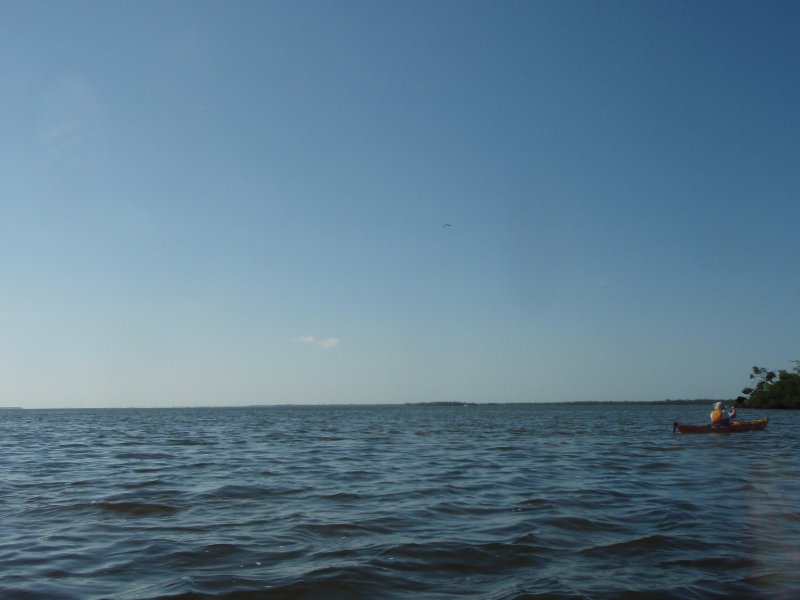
x=572 y=402
x=669 y=402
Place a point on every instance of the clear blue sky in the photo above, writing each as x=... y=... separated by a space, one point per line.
x=232 y=203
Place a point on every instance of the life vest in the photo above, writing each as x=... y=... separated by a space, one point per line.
x=717 y=416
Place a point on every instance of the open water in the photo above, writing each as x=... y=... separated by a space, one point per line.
x=488 y=501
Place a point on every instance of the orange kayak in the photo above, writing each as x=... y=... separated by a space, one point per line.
x=734 y=427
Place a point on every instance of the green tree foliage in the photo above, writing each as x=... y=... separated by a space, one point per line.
x=772 y=390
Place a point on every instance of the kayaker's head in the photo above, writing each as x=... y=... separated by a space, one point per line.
x=718 y=405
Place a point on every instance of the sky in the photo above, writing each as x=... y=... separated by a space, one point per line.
x=235 y=203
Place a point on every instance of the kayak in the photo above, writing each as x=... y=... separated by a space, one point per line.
x=734 y=427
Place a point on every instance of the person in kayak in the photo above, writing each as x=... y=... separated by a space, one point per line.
x=720 y=417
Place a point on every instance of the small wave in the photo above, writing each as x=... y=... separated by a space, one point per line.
x=200 y=465
x=469 y=559
x=143 y=456
x=135 y=485
x=657 y=466
x=719 y=563
x=580 y=524
x=74 y=445
x=684 y=506
x=39 y=592
x=330 y=530
x=351 y=583
x=342 y=496
x=137 y=509
x=248 y=492
x=81 y=483
x=460 y=509
x=188 y=442
x=647 y=544
x=534 y=503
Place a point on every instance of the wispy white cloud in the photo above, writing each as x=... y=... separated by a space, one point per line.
x=310 y=340
x=330 y=342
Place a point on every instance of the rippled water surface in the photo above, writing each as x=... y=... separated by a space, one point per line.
x=488 y=501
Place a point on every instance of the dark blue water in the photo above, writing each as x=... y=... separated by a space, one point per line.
x=491 y=501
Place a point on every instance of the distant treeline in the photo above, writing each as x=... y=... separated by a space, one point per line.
x=667 y=401
x=696 y=401
x=440 y=403
x=578 y=402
